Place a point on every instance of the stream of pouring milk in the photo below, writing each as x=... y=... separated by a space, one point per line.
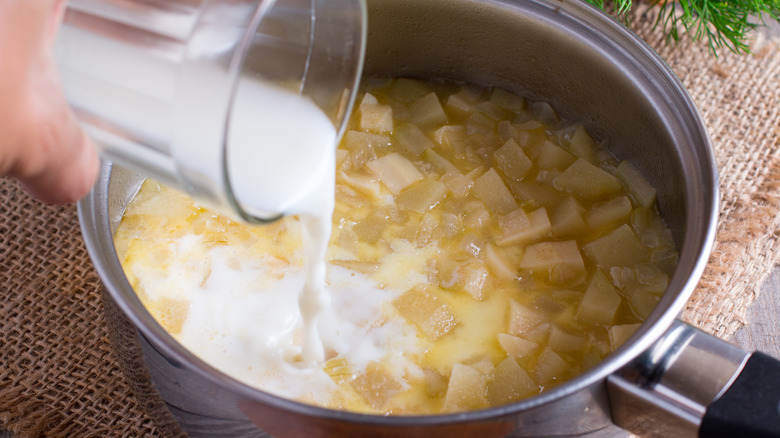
x=281 y=158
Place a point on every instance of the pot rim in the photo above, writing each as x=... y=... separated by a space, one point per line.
x=697 y=242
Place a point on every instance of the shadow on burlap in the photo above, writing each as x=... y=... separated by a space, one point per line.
x=58 y=376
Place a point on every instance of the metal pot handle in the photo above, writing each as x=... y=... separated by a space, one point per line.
x=690 y=383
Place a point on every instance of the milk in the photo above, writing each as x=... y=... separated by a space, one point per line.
x=281 y=158
x=280 y=151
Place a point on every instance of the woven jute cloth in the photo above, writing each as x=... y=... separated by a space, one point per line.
x=59 y=376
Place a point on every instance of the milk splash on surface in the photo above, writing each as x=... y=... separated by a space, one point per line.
x=281 y=158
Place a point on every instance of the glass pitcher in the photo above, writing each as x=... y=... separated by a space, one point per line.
x=172 y=89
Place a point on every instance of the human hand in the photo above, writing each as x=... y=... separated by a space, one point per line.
x=41 y=143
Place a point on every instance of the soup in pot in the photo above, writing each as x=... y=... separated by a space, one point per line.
x=483 y=250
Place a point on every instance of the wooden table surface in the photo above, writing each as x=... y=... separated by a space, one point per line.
x=763 y=330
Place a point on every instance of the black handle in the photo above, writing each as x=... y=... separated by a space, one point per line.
x=751 y=405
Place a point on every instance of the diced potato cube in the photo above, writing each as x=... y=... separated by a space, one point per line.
x=637 y=186
x=538 y=334
x=545 y=113
x=346 y=195
x=451 y=224
x=591 y=358
x=474 y=275
x=533 y=194
x=530 y=135
x=441 y=164
x=567 y=317
x=481 y=362
x=428 y=312
x=665 y=259
x=459 y=104
x=475 y=215
x=480 y=124
x=618 y=248
x=619 y=334
x=511 y=160
x=514 y=221
x=444 y=273
x=506 y=131
x=547 y=176
x=421 y=196
x=425 y=234
x=567 y=220
x=427 y=111
x=642 y=303
x=508 y=100
x=547 y=305
x=368 y=99
x=624 y=277
x=338 y=369
x=376 y=118
x=458 y=183
x=600 y=301
x=476 y=172
x=516 y=347
x=584 y=179
x=470 y=93
x=608 y=212
x=582 y=144
x=408 y=90
x=435 y=383
x=491 y=110
x=657 y=236
x=550 y=368
x=561 y=261
x=467 y=389
x=376 y=385
x=371 y=228
x=363 y=182
x=360 y=140
x=498 y=263
x=652 y=278
x=395 y=171
x=171 y=313
x=358 y=157
x=490 y=189
x=347 y=240
x=522 y=318
x=451 y=138
x=410 y=139
x=516 y=227
x=510 y=383
x=552 y=156
x=342 y=160
x=564 y=342
x=470 y=244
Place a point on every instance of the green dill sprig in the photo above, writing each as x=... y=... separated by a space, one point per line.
x=723 y=23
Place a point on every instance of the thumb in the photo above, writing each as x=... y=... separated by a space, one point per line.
x=70 y=170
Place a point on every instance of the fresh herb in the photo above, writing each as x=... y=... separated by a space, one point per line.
x=723 y=23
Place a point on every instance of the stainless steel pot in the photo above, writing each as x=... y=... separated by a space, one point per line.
x=592 y=69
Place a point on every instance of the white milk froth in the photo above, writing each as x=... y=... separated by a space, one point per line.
x=244 y=317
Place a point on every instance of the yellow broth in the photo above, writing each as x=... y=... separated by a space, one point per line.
x=539 y=252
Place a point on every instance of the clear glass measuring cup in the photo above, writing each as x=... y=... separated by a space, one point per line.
x=181 y=90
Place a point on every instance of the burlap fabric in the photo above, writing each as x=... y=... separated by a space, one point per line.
x=58 y=375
